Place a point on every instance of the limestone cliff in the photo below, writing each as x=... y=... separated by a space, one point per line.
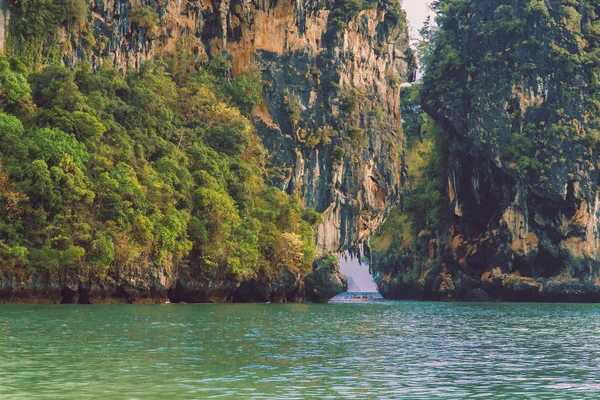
x=330 y=116
x=514 y=87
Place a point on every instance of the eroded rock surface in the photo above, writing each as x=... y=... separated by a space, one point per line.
x=330 y=116
x=512 y=90
x=324 y=282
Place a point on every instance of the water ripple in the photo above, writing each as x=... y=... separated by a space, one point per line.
x=359 y=350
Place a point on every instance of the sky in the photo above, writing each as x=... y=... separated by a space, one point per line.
x=359 y=274
x=417 y=11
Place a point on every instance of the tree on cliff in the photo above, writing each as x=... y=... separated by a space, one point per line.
x=103 y=172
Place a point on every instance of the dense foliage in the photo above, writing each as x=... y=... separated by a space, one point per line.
x=103 y=173
x=422 y=218
x=33 y=32
x=514 y=85
x=525 y=74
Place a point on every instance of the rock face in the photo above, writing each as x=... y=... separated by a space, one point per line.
x=330 y=118
x=514 y=89
x=329 y=94
x=141 y=286
x=324 y=282
x=282 y=288
x=319 y=286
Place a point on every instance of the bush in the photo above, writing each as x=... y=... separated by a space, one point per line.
x=245 y=91
x=220 y=65
x=357 y=136
x=231 y=138
x=329 y=260
x=145 y=17
x=289 y=253
x=337 y=154
x=311 y=216
x=349 y=99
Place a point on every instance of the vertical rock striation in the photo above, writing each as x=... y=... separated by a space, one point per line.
x=330 y=117
x=515 y=89
x=331 y=73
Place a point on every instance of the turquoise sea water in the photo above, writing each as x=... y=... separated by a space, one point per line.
x=354 y=350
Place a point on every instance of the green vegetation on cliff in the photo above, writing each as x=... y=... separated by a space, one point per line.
x=528 y=71
x=103 y=173
x=346 y=10
x=409 y=232
x=513 y=87
x=34 y=29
